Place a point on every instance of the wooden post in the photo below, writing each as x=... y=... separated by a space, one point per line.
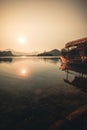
x=83 y=54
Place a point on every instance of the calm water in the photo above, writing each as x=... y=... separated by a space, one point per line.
x=36 y=92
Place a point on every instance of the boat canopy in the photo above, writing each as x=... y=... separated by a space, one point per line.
x=76 y=42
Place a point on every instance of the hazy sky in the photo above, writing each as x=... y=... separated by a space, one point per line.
x=41 y=24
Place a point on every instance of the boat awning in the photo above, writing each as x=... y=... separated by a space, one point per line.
x=76 y=42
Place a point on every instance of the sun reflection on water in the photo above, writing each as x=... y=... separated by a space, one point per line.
x=24 y=72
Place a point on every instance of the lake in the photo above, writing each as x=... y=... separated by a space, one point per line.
x=35 y=92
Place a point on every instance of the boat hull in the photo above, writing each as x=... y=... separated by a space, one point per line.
x=78 y=62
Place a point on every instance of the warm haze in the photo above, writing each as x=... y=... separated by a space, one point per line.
x=38 y=25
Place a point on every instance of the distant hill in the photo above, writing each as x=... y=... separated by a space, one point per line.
x=54 y=52
x=6 y=53
x=11 y=52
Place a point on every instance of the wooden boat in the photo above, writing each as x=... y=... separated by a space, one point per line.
x=75 y=52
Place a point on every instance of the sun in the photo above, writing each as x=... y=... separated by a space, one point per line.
x=21 y=40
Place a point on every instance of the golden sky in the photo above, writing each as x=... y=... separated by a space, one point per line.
x=38 y=25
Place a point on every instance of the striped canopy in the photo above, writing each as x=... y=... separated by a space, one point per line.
x=76 y=42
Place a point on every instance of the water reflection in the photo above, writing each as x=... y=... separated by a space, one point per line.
x=16 y=59
x=6 y=60
x=79 y=76
x=33 y=93
x=51 y=60
x=23 y=72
